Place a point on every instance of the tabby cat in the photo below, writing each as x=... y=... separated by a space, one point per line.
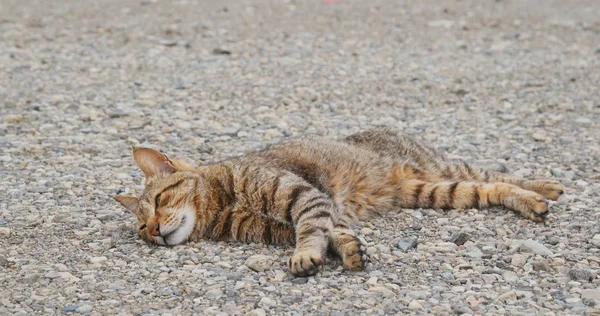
x=310 y=192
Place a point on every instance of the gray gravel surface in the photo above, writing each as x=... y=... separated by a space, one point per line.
x=506 y=81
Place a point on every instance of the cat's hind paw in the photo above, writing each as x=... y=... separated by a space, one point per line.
x=550 y=189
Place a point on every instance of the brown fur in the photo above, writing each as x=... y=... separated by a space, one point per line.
x=310 y=192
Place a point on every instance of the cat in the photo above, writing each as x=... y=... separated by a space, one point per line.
x=311 y=191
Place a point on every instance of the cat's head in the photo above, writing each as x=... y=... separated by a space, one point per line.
x=165 y=210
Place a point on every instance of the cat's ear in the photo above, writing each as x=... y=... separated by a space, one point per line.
x=129 y=202
x=152 y=162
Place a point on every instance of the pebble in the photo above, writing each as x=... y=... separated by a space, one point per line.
x=69 y=308
x=4 y=232
x=84 y=309
x=407 y=243
x=591 y=294
x=596 y=240
x=415 y=305
x=257 y=312
x=581 y=274
x=532 y=246
x=508 y=295
x=267 y=302
x=98 y=259
x=259 y=263
x=13 y=118
x=518 y=260
x=460 y=238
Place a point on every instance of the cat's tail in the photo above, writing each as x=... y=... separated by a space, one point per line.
x=469 y=194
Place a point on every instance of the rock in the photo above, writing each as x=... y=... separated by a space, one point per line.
x=510 y=276
x=441 y=23
x=214 y=294
x=538 y=137
x=532 y=246
x=596 y=240
x=84 y=309
x=384 y=291
x=591 y=294
x=407 y=243
x=460 y=238
x=69 y=308
x=258 y=312
x=98 y=259
x=3 y=261
x=581 y=274
x=299 y=280
x=541 y=265
x=518 y=260
x=259 y=263
x=13 y=118
x=508 y=295
x=4 y=232
x=415 y=305
x=267 y=302
x=366 y=231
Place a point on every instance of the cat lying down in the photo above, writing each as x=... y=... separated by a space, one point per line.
x=310 y=192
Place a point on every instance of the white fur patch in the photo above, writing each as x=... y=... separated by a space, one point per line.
x=178 y=233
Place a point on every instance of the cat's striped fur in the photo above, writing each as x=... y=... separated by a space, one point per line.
x=310 y=192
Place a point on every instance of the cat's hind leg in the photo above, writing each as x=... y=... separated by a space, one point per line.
x=468 y=194
x=458 y=170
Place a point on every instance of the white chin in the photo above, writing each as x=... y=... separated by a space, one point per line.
x=181 y=233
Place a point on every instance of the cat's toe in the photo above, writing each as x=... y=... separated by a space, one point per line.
x=550 y=189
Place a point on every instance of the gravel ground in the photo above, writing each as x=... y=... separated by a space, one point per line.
x=509 y=81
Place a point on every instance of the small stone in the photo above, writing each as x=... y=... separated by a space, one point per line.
x=508 y=295
x=510 y=276
x=258 y=312
x=259 y=263
x=541 y=265
x=3 y=261
x=83 y=309
x=460 y=238
x=415 y=305
x=214 y=294
x=535 y=247
x=267 y=302
x=596 y=240
x=518 y=260
x=538 y=137
x=98 y=259
x=228 y=131
x=272 y=133
x=407 y=243
x=581 y=274
x=299 y=280
x=69 y=308
x=591 y=294
x=553 y=240
x=4 y=232
x=366 y=231
x=13 y=118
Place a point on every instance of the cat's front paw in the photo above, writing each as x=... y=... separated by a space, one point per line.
x=550 y=189
x=306 y=262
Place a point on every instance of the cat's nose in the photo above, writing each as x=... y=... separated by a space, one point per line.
x=154 y=229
